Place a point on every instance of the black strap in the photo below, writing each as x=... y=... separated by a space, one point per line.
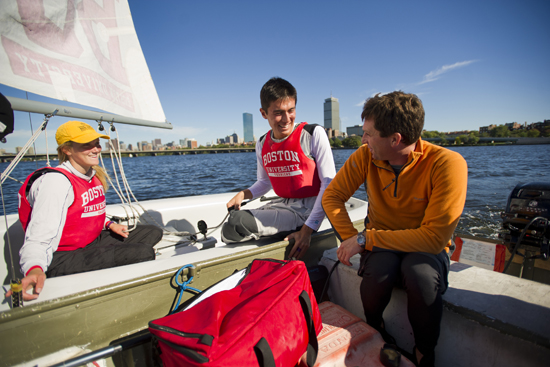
x=313 y=344
x=264 y=354
x=36 y=175
x=310 y=127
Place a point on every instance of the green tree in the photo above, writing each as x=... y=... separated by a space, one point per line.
x=473 y=137
x=335 y=142
x=501 y=131
x=520 y=133
x=352 y=142
x=533 y=133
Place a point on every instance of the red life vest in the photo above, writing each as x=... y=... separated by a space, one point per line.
x=85 y=217
x=291 y=172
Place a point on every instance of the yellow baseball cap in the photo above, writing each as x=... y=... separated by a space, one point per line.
x=77 y=131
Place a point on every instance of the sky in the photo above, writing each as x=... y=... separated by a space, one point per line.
x=472 y=63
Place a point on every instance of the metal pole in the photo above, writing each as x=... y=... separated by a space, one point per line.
x=105 y=352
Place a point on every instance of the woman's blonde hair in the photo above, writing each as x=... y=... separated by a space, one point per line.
x=99 y=172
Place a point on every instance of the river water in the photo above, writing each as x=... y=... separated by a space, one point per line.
x=493 y=171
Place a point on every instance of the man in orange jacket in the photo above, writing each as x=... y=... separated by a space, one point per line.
x=416 y=193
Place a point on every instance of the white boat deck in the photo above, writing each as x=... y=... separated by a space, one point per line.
x=181 y=214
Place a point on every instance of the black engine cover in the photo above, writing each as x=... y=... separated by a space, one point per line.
x=527 y=201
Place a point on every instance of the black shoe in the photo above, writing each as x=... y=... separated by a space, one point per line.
x=428 y=360
x=390 y=356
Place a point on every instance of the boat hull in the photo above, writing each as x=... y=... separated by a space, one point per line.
x=98 y=315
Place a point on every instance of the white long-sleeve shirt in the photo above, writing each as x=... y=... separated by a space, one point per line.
x=316 y=146
x=50 y=197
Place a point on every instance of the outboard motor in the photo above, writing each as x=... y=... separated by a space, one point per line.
x=527 y=222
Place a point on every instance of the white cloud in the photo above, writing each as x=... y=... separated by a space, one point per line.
x=434 y=75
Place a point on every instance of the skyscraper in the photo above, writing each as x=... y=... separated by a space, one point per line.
x=248 y=127
x=332 y=113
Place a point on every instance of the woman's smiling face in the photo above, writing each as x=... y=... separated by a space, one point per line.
x=84 y=156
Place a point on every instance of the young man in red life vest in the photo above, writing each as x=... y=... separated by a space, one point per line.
x=62 y=211
x=293 y=159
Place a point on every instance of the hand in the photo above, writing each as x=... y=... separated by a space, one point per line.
x=347 y=249
x=119 y=229
x=302 y=242
x=238 y=199
x=35 y=279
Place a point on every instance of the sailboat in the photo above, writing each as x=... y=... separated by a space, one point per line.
x=88 y=53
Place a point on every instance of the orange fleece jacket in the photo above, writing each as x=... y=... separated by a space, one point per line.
x=416 y=211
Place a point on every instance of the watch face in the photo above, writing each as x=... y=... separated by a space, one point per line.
x=361 y=239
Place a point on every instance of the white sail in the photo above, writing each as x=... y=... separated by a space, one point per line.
x=85 y=52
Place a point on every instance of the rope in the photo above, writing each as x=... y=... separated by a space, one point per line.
x=116 y=155
x=184 y=285
x=26 y=147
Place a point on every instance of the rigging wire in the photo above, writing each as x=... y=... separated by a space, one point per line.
x=15 y=284
x=115 y=155
x=26 y=147
x=32 y=132
x=127 y=200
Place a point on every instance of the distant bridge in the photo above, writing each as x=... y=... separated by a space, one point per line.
x=42 y=157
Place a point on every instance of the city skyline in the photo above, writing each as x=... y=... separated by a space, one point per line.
x=468 y=69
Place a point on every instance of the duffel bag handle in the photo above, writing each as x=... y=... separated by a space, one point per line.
x=263 y=350
x=264 y=354
x=313 y=344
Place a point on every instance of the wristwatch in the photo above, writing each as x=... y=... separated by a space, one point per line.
x=361 y=240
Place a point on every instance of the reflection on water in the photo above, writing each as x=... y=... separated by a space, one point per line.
x=492 y=174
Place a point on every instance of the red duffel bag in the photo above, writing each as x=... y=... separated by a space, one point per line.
x=263 y=315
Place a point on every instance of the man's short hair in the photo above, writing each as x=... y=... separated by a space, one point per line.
x=396 y=112
x=276 y=88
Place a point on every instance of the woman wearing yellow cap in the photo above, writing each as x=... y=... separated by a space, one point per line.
x=62 y=210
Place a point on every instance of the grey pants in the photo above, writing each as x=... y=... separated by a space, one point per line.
x=277 y=216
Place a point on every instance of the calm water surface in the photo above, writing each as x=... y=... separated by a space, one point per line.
x=492 y=174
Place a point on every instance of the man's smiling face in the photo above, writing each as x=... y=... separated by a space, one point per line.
x=281 y=115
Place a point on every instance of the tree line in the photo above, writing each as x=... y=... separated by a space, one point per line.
x=501 y=131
